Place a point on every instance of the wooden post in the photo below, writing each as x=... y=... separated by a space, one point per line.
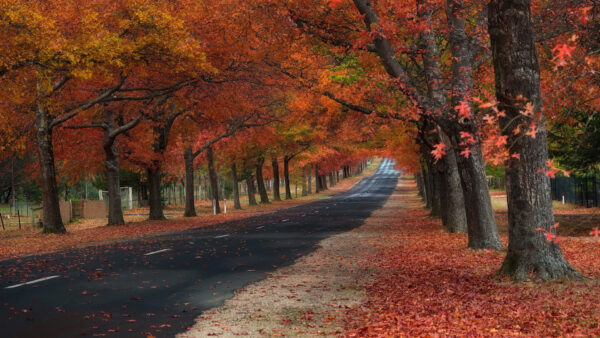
x=2 y=221
x=19 y=218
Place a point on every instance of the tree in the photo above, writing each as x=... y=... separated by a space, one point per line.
x=517 y=77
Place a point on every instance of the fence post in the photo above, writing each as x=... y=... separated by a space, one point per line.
x=19 y=218
x=2 y=220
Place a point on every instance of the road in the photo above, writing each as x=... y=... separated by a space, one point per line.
x=159 y=285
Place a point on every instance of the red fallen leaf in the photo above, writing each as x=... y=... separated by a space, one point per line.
x=60 y=309
x=175 y=316
x=84 y=292
x=131 y=320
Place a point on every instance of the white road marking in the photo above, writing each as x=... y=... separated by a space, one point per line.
x=222 y=236
x=32 y=282
x=155 y=252
x=285 y=220
x=260 y=227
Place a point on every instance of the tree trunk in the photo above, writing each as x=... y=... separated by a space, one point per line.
x=456 y=218
x=212 y=177
x=190 y=207
x=331 y=179
x=436 y=210
x=236 y=191
x=304 y=191
x=481 y=223
x=250 y=184
x=154 y=198
x=52 y=220
x=517 y=76
x=262 y=191
x=113 y=181
x=275 y=164
x=286 y=176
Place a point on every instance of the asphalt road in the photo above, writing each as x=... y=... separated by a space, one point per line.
x=159 y=285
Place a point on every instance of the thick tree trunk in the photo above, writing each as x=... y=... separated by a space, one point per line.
x=331 y=179
x=286 y=176
x=115 y=209
x=214 y=180
x=309 y=183
x=481 y=223
x=190 y=207
x=262 y=191
x=276 y=194
x=236 y=191
x=317 y=180
x=52 y=220
x=304 y=191
x=456 y=218
x=517 y=76
x=154 y=198
x=436 y=208
x=250 y=184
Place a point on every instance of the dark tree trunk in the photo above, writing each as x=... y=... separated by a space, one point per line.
x=113 y=181
x=275 y=164
x=331 y=179
x=304 y=191
x=436 y=210
x=324 y=182
x=52 y=220
x=154 y=198
x=214 y=180
x=456 y=218
x=190 y=207
x=317 y=180
x=481 y=223
x=250 y=184
x=262 y=191
x=236 y=191
x=286 y=177
x=517 y=76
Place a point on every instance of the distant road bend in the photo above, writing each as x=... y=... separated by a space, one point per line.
x=159 y=285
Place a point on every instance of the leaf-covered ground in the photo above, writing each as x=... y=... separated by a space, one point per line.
x=428 y=283
x=27 y=241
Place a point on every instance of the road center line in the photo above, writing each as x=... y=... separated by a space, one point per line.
x=155 y=252
x=32 y=282
x=260 y=227
x=222 y=236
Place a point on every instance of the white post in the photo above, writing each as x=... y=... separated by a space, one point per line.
x=225 y=206
x=563 y=198
x=100 y=195
x=214 y=207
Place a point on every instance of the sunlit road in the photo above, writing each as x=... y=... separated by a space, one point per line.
x=159 y=285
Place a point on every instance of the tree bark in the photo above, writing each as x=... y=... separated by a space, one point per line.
x=190 y=207
x=213 y=179
x=286 y=176
x=317 y=180
x=154 y=198
x=52 y=220
x=262 y=191
x=309 y=187
x=236 y=192
x=456 y=218
x=250 y=184
x=517 y=76
x=304 y=191
x=276 y=194
x=113 y=181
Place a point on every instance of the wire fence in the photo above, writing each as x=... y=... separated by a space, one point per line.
x=580 y=190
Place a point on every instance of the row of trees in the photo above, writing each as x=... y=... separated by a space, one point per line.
x=99 y=86
x=445 y=86
x=469 y=77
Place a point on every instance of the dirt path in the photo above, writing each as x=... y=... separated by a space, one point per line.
x=309 y=298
